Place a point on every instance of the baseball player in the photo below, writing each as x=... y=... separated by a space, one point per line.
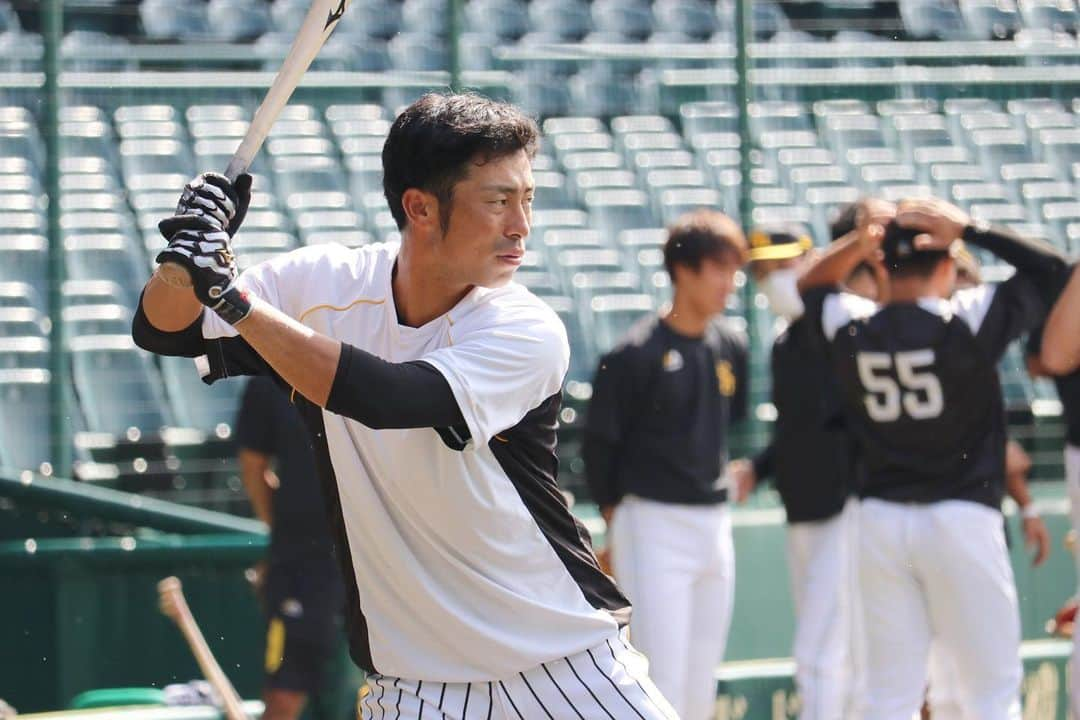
x=1060 y=353
x=918 y=377
x=655 y=443
x=430 y=384
x=815 y=466
x=300 y=585
x=1068 y=389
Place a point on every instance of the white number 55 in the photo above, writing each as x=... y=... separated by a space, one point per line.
x=918 y=392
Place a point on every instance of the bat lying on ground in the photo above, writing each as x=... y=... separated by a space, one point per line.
x=173 y=605
x=321 y=20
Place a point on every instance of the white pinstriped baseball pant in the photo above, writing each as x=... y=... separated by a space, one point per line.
x=607 y=682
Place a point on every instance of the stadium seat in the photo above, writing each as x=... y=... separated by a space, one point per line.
x=14 y=293
x=427 y=17
x=990 y=19
x=674 y=203
x=940 y=19
x=505 y=19
x=612 y=211
x=29 y=351
x=23 y=258
x=169 y=20
x=610 y=317
x=118 y=386
x=371 y=18
x=568 y=19
x=237 y=20
x=629 y=19
x=415 y=51
x=109 y=256
x=23 y=322
x=1061 y=148
x=1059 y=16
x=25 y=427
x=194 y=403
x=111 y=319
x=695 y=19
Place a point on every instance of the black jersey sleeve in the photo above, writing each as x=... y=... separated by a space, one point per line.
x=226 y=356
x=1043 y=264
x=605 y=421
x=383 y=394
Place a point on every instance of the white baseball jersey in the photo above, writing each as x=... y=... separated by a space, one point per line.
x=462 y=561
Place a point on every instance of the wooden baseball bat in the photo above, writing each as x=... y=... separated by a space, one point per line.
x=173 y=605
x=322 y=18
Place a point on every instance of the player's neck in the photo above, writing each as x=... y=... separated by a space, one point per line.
x=910 y=289
x=685 y=318
x=421 y=291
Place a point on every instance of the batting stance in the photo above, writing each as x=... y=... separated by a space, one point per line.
x=430 y=383
x=919 y=381
x=655 y=444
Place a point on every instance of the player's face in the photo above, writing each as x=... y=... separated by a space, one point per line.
x=710 y=285
x=490 y=214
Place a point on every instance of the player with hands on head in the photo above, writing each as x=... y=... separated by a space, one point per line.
x=1061 y=338
x=813 y=463
x=919 y=383
x=430 y=384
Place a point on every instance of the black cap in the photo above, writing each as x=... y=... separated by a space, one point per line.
x=779 y=242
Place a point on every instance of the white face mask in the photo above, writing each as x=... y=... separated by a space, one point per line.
x=781 y=289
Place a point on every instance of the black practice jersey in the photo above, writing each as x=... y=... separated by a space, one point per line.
x=812 y=458
x=920 y=386
x=1068 y=389
x=657 y=423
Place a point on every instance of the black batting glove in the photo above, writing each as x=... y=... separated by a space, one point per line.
x=210 y=202
x=207 y=256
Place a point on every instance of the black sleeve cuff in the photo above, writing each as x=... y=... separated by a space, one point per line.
x=384 y=395
x=1042 y=262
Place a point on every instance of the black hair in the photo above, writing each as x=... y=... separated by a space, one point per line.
x=700 y=234
x=902 y=258
x=432 y=141
x=843 y=221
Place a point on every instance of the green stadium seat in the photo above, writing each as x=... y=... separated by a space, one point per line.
x=237 y=20
x=23 y=322
x=610 y=317
x=567 y=19
x=708 y=116
x=25 y=427
x=111 y=319
x=1035 y=195
x=20 y=294
x=28 y=351
x=990 y=19
x=23 y=257
x=91 y=292
x=106 y=256
x=117 y=385
x=193 y=402
x=554 y=242
x=612 y=211
x=348 y=238
x=167 y=20
x=943 y=177
x=1059 y=16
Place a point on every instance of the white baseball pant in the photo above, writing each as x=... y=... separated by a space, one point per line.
x=828 y=642
x=607 y=682
x=676 y=563
x=1072 y=486
x=938 y=572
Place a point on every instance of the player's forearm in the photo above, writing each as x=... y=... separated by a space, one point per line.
x=1060 y=353
x=253 y=469
x=1016 y=487
x=168 y=308
x=835 y=264
x=303 y=358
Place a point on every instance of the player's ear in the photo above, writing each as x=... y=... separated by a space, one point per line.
x=421 y=208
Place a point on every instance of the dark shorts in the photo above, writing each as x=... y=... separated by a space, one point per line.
x=304 y=602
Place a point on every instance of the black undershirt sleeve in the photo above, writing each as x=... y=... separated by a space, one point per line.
x=1040 y=261
x=598 y=454
x=384 y=395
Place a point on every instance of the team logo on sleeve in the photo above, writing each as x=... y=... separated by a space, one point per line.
x=725 y=378
x=673 y=361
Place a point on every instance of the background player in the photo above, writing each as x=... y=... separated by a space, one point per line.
x=920 y=387
x=1061 y=347
x=815 y=466
x=431 y=386
x=301 y=588
x=656 y=438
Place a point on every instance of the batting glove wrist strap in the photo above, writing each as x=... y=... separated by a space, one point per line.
x=233 y=305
